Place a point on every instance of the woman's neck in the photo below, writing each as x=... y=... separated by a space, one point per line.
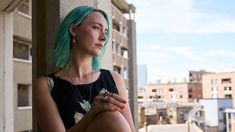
x=79 y=68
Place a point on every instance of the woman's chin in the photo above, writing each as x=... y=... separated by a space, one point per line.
x=96 y=54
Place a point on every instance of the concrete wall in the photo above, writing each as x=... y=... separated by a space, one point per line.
x=22 y=75
x=6 y=72
x=212 y=85
x=210 y=112
x=213 y=111
x=22 y=26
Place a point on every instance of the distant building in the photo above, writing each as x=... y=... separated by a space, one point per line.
x=173 y=92
x=141 y=76
x=159 y=113
x=230 y=120
x=183 y=77
x=209 y=115
x=219 y=85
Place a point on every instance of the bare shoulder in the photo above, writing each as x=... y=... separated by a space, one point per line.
x=40 y=82
x=116 y=76
x=119 y=82
x=40 y=85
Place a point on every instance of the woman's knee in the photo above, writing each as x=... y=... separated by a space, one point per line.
x=110 y=121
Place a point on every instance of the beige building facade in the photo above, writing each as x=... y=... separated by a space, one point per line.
x=171 y=93
x=219 y=85
x=177 y=88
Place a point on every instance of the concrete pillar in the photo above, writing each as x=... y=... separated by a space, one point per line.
x=46 y=16
x=227 y=122
x=133 y=72
x=6 y=72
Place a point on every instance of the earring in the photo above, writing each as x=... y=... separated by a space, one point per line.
x=73 y=41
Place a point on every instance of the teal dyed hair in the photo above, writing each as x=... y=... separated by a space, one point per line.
x=62 y=49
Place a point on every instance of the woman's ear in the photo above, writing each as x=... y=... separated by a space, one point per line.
x=72 y=31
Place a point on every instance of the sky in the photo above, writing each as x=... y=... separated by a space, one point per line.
x=176 y=36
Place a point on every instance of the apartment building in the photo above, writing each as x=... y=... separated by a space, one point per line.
x=121 y=53
x=211 y=115
x=173 y=92
x=182 y=77
x=121 y=36
x=219 y=85
x=177 y=88
x=230 y=119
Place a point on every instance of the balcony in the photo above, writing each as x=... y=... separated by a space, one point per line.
x=226 y=81
x=22 y=25
x=119 y=38
x=118 y=17
x=119 y=60
x=22 y=71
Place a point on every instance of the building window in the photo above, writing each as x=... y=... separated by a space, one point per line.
x=171 y=89
x=154 y=90
x=117 y=69
x=190 y=96
x=124 y=52
x=124 y=31
x=228 y=96
x=24 y=95
x=22 y=50
x=214 y=88
x=226 y=80
x=117 y=48
x=190 y=90
x=181 y=96
x=125 y=73
x=113 y=46
x=25 y=7
x=140 y=97
x=228 y=88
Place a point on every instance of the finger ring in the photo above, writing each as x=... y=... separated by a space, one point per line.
x=104 y=99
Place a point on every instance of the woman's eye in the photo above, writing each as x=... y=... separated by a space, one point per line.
x=106 y=33
x=96 y=27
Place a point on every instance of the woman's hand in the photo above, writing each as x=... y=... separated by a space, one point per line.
x=107 y=102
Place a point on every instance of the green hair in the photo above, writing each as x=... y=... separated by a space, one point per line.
x=62 y=49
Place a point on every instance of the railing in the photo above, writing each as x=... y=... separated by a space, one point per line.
x=119 y=38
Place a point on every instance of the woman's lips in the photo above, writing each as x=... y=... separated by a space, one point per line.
x=100 y=46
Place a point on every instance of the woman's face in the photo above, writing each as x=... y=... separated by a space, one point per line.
x=91 y=35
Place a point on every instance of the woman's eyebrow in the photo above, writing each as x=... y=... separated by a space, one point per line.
x=106 y=29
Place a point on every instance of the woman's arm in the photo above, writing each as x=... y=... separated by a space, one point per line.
x=122 y=92
x=46 y=111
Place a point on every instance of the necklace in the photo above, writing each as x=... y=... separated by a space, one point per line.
x=84 y=103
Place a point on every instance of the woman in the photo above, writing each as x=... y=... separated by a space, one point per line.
x=80 y=97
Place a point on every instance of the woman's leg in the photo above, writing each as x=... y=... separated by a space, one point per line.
x=109 y=122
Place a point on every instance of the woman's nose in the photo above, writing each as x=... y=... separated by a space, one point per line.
x=103 y=36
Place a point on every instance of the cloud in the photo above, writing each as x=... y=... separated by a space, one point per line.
x=221 y=53
x=169 y=53
x=179 y=16
x=188 y=53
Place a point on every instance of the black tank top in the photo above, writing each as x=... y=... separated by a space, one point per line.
x=68 y=96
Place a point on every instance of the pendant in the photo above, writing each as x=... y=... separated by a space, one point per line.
x=104 y=90
x=85 y=105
